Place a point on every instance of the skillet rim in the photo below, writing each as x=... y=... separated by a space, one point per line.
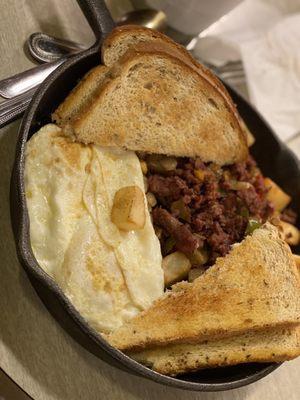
x=28 y=261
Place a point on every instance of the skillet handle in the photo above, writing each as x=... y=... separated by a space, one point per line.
x=98 y=17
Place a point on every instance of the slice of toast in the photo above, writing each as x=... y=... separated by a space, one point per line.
x=156 y=102
x=80 y=95
x=124 y=37
x=256 y=286
x=272 y=345
x=115 y=46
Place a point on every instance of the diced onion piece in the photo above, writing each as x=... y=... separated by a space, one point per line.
x=160 y=164
x=289 y=233
x=227 y=175
x=176 y=266
x=239 y=185
x=199 y=257
x=128 y=211
x=151 y=199
x=181 y=209
x=195 y=273
x=144 y=167
x=153 y=163
x=168 y=163
x=276 y=195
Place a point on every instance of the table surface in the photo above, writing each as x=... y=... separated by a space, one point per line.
x=34 y=351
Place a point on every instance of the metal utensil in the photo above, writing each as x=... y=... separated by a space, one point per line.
x=149 y=18
x=11 y=109
x=46 y=48
x=26 y=80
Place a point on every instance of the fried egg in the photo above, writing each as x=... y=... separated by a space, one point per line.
x=108 y=274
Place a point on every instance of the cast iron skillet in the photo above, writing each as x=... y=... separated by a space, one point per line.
x=273 y=157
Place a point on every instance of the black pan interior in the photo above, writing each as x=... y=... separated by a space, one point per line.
x=274 y=159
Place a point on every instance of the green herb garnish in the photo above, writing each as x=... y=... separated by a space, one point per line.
x=252 y=225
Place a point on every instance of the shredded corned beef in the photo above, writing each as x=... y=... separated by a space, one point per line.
x=204 y=206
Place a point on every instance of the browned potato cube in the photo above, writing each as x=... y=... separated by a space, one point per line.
x=276 y=195
x=128 y=211
x=176 y=266
x=289 y=233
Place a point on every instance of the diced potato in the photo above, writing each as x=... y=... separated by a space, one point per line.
x=239 y=185
x=144 y=167
x=195 y=273
x=276 y=195
x=168 y=163
x=128 y=211
x=297 y=260
x=160 y=164
x=289 y=233
x=176 y=266
x=151 y=199
x=199 y=257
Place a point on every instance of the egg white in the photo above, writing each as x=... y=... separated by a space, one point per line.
x=108 y=274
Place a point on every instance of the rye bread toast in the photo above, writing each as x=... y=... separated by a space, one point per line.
x=124 y=37
x=154 y=101
x=256 y=286
x=270 y=345
x=80 y=96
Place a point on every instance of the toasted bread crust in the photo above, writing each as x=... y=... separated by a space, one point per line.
x=79 y=111
x=273 y=345
x=178 y=51
x=121 y=32
x=80 y=96
x=151 y=36
x=255 y=286
x=209 y=144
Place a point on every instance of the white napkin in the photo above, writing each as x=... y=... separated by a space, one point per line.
x=265 y=35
